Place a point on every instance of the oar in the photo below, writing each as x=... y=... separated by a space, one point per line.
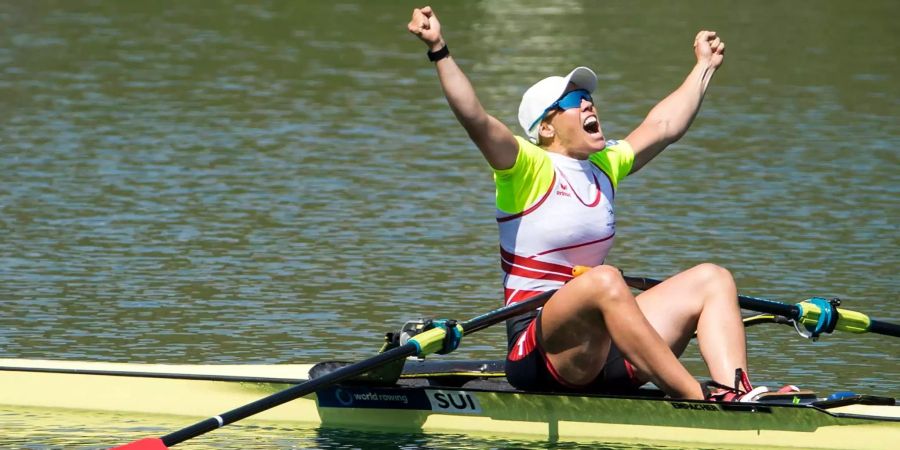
x=421 y=344
x=822 y=315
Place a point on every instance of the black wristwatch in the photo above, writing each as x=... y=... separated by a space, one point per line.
x=442 y=53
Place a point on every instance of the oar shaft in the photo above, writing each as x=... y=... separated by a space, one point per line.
x=850 y=322
x=287 y=395
x=885 y=328
x=769 y=306
x=751 y=303
x=641 y=282
x=346 y=372
x=485 y=320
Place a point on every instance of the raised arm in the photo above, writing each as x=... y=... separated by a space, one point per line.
x=672 y=117
x=493 y=138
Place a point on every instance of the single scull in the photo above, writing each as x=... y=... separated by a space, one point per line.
x=467 y=398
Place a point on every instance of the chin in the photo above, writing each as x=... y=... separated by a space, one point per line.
x=596 y=143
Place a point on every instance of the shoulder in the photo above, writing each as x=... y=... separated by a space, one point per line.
x=529 y=156
x=616 y=159
x=526 y=146
x=615 y=150
x=526 y=181
x=620 y=147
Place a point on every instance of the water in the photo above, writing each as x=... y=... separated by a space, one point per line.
x=218 y=182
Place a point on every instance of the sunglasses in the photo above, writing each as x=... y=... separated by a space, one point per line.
x=572 y=99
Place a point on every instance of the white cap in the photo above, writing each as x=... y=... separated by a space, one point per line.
x=543 y=93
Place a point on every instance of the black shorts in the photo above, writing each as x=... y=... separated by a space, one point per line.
x=528 y=369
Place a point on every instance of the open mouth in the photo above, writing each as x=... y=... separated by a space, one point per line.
x=591 y=124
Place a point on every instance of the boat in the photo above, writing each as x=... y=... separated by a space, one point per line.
x=460 y=397
x=398 y=390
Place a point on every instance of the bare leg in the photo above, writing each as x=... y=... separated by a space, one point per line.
x=579 y=321
x=703 y=298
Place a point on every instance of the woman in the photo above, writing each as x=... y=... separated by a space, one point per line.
x=555 y=195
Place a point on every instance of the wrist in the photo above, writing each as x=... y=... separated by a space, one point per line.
x=437 y=46
x=705 y=68
x=703 y=73
x=439 y=54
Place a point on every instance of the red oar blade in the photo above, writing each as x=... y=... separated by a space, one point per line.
x=144 y=444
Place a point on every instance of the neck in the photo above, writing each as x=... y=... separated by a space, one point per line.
x=556 y=147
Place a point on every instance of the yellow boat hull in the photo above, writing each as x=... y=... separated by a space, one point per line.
x=201 y=391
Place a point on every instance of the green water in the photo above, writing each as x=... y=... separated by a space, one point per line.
x=221 y=182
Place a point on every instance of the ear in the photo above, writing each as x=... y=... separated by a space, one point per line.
x=546 y=131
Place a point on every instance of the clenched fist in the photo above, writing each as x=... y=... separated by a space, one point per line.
x=425 y=25
x=709 y=48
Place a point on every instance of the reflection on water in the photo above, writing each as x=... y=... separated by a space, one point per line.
x=202 y=182
x=88 y=430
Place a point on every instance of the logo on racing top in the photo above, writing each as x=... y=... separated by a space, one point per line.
x=563 y=188
x=460 y=402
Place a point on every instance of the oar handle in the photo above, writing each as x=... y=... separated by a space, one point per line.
x=432 y=341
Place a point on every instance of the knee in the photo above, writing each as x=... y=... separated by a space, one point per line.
x=607 y=283
x=714 y=273
x=715 y=278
